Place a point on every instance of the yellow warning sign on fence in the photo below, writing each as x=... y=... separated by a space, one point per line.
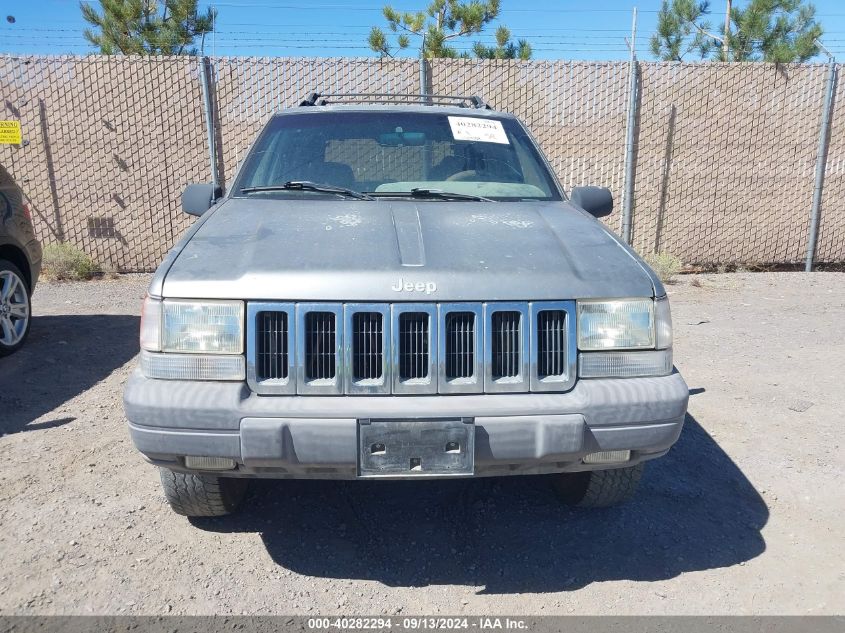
x=10 y=132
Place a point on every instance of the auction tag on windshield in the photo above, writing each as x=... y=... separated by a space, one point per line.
x=466 y=128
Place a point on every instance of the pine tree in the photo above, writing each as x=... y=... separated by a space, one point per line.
x=774 y=31
x=681 y=30
x=504 y=49
x=146 y=27
x=778 y=31
x=442 y=22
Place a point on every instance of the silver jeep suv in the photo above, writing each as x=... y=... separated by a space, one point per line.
x=401 y=291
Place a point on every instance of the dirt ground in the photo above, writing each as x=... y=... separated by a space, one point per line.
x=744 y=516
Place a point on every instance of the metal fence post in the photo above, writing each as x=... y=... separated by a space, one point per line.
x=423 y=73
x=423 y=78
x=628 y=195
x=206 y=76
x=821 y=166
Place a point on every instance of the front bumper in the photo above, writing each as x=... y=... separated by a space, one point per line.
x=317 y=436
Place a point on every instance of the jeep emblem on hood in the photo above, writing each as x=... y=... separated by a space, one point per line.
x=409 y=286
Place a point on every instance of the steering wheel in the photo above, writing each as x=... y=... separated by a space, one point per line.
x=463 y=176
x=472 y=174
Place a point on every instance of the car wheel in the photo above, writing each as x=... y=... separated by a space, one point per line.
x=598 y=488
x=15 y=308
x=202 y=495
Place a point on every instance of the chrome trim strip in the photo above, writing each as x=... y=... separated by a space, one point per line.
x=322 y=386
x=520 y=382
x=369 y=386
x=270 y=386
x=565 y=381
x=415 y=385
x=475 y=383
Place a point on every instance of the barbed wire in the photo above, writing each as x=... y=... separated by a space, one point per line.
x=544 y=39
x=379 y=8
x=227 y=32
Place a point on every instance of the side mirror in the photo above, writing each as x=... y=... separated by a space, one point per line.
x=198 y=198
x=597 y=201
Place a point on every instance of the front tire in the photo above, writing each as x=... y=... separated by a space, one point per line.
x=598 y=488
x=15 y=308
x=202 y=495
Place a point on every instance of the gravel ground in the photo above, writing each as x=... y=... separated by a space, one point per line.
x=742 y=517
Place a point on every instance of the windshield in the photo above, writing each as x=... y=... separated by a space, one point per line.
x=394 y=153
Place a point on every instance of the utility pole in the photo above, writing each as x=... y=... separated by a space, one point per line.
x=423 y=72
x=628 y=192
x=726 y=45
x=206 y=79
x=821 y=160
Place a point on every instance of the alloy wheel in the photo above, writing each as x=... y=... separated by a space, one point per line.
x=14 y=308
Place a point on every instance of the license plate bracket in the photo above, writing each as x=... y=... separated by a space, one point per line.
x=417 y=448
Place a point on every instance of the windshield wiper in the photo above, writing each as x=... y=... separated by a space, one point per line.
x=307 y=185
x=437 y=194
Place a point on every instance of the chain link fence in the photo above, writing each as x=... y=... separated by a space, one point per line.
x=249 y=90
x=723 y=165
x=109 y=143
x=725 y=161
x=575 y=110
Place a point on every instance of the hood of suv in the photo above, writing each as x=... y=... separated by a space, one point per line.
x=392 y=250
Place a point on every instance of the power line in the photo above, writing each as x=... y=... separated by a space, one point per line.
x=346 y=47
x=234 y=37
x=219 y=33
x=379 y=9
x=11 y=30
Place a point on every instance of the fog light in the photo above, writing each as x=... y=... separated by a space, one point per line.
x=209 y=463
x=608 y=457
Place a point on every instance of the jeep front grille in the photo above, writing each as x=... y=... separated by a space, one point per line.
x=507 y=353
x=367 y=346
x=551 y=342
x=320 y=333
x=272 y=352
x=413 y=346
x=460 y=345
x=504 y=341
x=408 y=348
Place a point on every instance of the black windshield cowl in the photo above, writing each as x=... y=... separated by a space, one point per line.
x=436 y=194
x=306 y=185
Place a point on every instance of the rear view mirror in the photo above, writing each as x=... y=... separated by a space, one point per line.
x=400 y=139
x=198 y=198
x=597 y=201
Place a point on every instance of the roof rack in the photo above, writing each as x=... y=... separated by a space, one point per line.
x=318 y=99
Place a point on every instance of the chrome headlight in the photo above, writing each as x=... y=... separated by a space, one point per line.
x=624 y=338
x=620 y=324
x=198 y=340
x=203 y=327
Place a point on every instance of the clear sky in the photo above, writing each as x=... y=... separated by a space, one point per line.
x=557 y=29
